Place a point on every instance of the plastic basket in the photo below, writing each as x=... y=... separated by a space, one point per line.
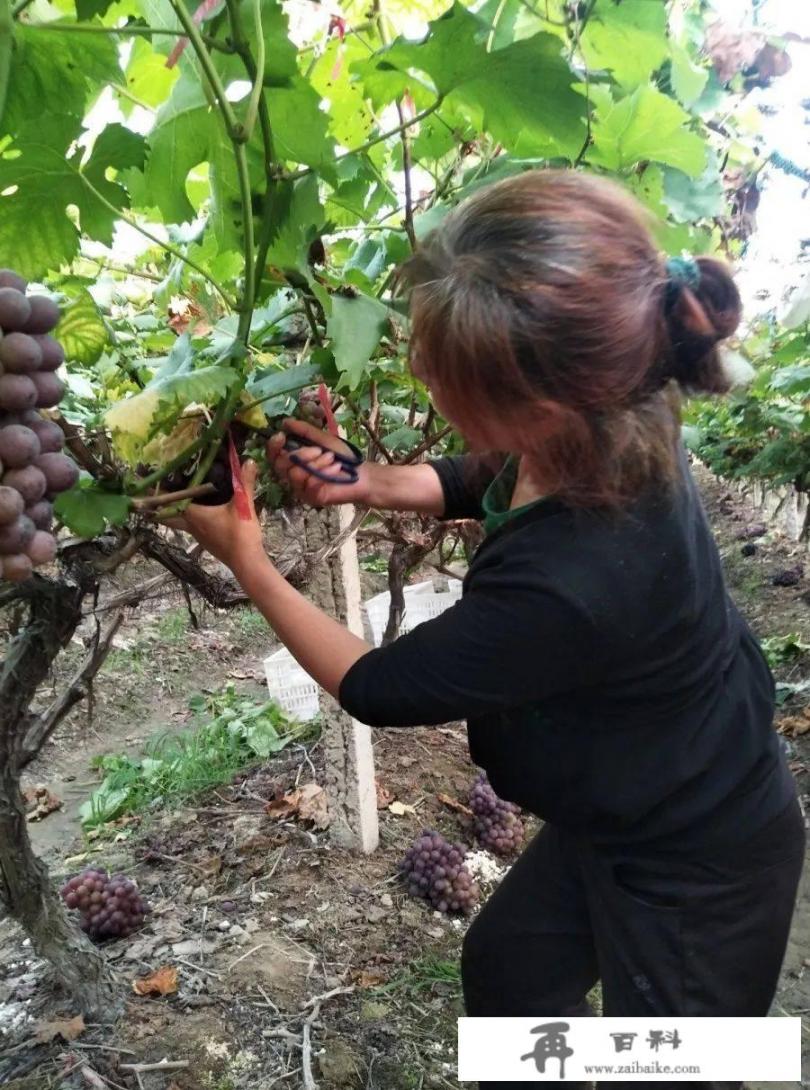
x=422 y=602
x=291 y=686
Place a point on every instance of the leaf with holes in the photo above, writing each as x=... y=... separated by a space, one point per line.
x=81 y=330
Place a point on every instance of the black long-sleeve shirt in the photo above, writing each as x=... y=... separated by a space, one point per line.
x=608 y=682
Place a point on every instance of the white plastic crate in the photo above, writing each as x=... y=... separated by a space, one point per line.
x=291 y=686
x=422 y=601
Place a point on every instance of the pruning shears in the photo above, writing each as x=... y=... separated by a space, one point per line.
x=347 y=462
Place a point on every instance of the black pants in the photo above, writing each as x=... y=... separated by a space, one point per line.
x=703 y=935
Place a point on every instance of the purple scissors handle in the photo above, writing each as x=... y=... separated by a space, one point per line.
x=347 y=465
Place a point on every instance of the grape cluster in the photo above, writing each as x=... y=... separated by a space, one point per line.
x=310 y=408
x=434 y=869
x=32 y=469
x=109 y=907
x=497 y=824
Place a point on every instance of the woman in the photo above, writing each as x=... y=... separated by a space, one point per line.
x=609 y=684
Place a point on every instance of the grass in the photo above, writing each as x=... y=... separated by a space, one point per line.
x=172 y=627
x=232 y=733
x=249 y=623
x=422 y=974
x=374 y=563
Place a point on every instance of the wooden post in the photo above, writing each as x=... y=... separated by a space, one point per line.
x=350 y=781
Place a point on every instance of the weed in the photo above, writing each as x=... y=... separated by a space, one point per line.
x=233 y=733
x=374 y=563
x=422 y=974
x=172 y=626
x=250 y=623
x=779 y=650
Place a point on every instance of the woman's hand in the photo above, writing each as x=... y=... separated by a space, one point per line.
x=223 y=532
x=303 y=485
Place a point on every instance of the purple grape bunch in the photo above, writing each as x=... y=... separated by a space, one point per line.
x=109 y=906
x=434 y=869
x=497 y=824
x=32 y=468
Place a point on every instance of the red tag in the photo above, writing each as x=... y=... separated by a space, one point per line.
x=338 y=24
x=326 y=405
x=240 y=496
x=205 y=9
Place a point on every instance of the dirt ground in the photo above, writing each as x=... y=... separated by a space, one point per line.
x=288 y=951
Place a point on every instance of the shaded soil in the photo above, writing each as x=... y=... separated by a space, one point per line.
x=258 y=915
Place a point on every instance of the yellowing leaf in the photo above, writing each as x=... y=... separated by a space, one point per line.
x=81 y=330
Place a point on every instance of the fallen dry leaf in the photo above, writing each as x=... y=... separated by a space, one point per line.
x=401 y=808
x=795 y=725
x=312 y=805
x=284 y=806
x=368 y=978
x=39 y=802
x=68 y=1029
x=211 y=866
x=384 y=796
x=454 y=804
x=162 y=982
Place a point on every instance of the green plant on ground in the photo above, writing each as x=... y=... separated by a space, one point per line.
x=374 y=563
x=422 y=974
x=173 y=625
x=250 y=623
x=233 y=732
x=780 y=650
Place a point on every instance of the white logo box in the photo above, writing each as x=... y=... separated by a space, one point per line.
x=629 y=1049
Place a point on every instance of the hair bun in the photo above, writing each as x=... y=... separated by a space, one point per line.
x=702 y=307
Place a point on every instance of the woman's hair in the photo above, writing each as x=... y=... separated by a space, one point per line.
x=542 y=302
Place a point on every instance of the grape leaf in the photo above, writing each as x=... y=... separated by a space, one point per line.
x=300 y=127
x=187 y=132
x=87 y=510
x=629 y=39
x=177 y=384
x=646 y=125
x=272 y=383
x=688 y=79
x=55 y=73
x=38 y=181
x=81 y=330
x=298 y=224
x=501 y=88
x=350 y=119
x=690 y=199
x=146 y=77
x=355 y=325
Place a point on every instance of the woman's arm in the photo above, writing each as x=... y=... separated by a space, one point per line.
x=321 y=644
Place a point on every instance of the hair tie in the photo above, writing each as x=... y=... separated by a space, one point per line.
x=682 y=272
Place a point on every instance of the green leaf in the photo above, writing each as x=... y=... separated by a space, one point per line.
x=188 y=132
x=355 y=326
x=300 y=127
x=350 y=120
x=272 y=383
x=87 y=510
x=38 y=183
x=690 y=199
x=81 y=330
x=522 y=94
x=298 y=225
x=688 y=79
x=646 y=125
x=146 y=77
x=87 y=9
x=627 y=39
x=55 y=73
